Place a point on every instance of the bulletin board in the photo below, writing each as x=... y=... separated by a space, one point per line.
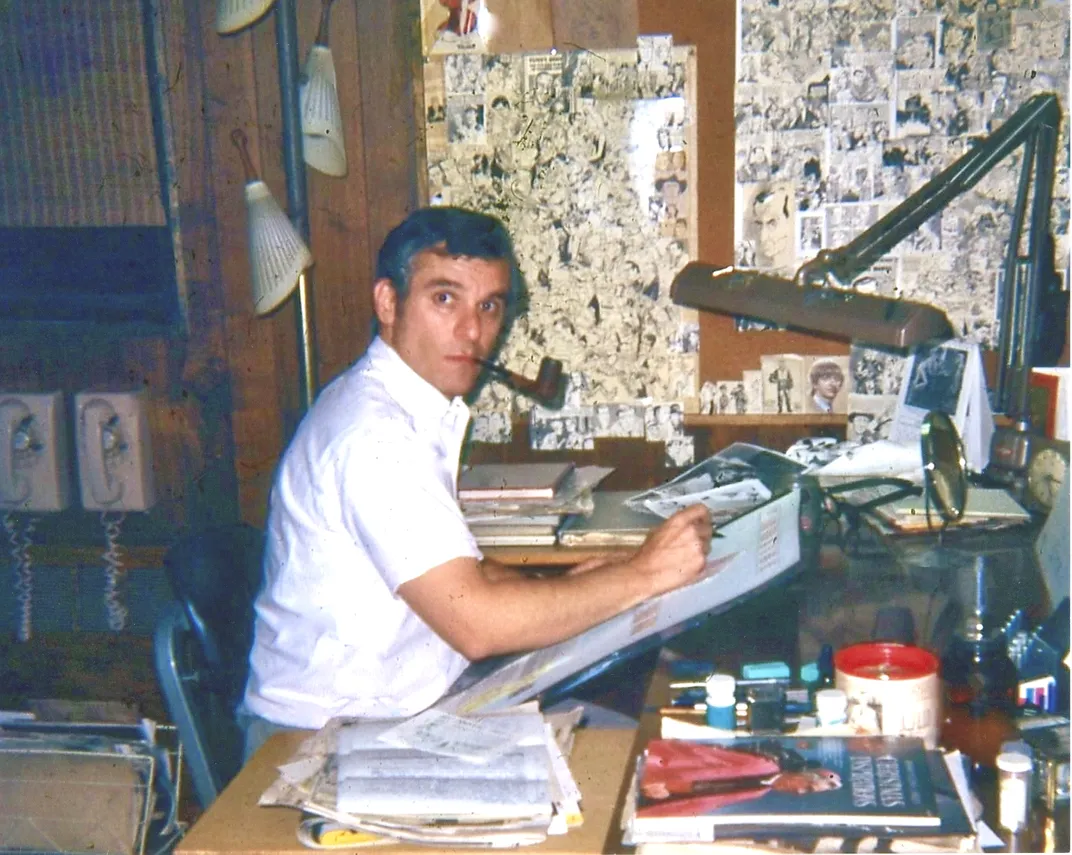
x=588 y=159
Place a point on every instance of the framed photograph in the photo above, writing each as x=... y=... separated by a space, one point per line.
x=783 y=383
x=827 y=384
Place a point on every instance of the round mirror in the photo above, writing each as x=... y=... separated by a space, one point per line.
x=944 y=467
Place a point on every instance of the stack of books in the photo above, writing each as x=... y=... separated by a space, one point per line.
x=513 y=504
x=786 y=793
x=436 y=779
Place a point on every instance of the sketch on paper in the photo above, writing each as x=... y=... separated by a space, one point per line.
x=588 y=161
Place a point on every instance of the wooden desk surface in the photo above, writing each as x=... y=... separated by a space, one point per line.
x=236 y=825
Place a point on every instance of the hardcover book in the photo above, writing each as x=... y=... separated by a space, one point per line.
x=696 y=791
x=484 y=481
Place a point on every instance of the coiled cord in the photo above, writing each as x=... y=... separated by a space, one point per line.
x=113 y=568
x=21 y=563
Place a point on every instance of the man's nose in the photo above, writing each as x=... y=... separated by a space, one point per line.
x=469 y=326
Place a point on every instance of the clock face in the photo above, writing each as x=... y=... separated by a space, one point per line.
x=1046 y=476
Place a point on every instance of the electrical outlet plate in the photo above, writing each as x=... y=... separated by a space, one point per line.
x=34 y=472
x=114 y=455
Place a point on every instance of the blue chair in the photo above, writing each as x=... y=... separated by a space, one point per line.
x=201 y=647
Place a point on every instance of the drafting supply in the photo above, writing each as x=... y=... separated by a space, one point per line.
x=487 y=481
x=721 y=709
x=277 y=254
x=611 y=523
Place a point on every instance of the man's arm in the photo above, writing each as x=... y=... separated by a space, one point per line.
x=488 y=611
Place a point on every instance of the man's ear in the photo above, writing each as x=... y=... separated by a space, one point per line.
x=385 y=302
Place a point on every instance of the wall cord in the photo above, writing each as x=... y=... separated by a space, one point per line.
x=113 y=568
x=23 y=571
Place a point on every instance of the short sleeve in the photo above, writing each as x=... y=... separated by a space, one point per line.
x=398 y=499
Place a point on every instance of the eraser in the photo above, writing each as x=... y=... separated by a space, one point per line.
x=765 y=671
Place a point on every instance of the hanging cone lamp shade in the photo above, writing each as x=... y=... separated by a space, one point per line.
x=234 y=15
x=321 y=119
x=277 y=254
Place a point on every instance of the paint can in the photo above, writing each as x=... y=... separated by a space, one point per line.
x=893 y=689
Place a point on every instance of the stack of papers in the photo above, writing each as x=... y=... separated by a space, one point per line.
x=499 y=779
x=523 y=504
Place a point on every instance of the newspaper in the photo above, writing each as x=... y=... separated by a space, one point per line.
x=310 y=782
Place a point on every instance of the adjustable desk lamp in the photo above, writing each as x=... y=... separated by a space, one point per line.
x=808 y=303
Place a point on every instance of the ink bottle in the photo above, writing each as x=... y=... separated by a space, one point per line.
x=722 y=701
x=831 y=707
x=1014 y=790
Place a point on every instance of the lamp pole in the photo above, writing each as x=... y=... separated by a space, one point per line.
x=286 y=33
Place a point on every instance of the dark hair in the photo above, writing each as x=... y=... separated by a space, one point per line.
x=825 y=368
x=455 y=231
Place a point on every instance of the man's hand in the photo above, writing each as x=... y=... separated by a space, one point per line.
x=674 y=554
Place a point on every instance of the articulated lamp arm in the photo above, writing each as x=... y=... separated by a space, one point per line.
x=1038 y=117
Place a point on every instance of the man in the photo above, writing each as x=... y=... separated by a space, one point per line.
x=826 y=378
x=782 y=380
x=376 y=596
x=770 y=227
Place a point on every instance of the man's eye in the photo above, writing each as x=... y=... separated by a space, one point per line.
x=443 y=297
x=492 y=306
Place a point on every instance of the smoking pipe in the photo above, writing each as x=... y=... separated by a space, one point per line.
x=546 y=389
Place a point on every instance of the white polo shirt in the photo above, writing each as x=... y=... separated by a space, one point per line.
x=364 y=500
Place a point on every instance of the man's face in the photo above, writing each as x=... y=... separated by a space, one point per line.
x=452 y=315
x=774 y=229
x=828 y=386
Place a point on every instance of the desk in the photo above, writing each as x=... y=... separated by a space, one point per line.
x=235 y=825
x=837 y=602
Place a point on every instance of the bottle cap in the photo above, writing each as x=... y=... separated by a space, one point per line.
x=833 y=699
x=721 y=689
x=831 y=704
x=1010 y=761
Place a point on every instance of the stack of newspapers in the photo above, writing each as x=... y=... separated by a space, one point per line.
x=499 y=779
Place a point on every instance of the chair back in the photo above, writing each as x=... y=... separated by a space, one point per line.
x=202 y=644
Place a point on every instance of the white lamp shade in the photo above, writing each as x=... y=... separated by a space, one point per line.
x=277 y=254
x=233 y=15
x=321 y=119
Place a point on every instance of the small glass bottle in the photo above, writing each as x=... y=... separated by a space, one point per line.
x=722 y=701
x=1014 y=791
x=831 y=707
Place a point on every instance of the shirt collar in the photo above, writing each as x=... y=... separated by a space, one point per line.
x=412 y=392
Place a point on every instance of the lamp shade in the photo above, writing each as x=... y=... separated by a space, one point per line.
x=234 y=15
x=321 y=118
x=277 y=254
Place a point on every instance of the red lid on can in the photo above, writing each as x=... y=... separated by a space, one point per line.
x=881 y=660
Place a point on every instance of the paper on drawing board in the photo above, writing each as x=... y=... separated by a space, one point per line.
x=754 y=549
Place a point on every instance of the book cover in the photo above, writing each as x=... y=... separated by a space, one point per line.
x=955 y=834
x=511 y=480
x=692 y=790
